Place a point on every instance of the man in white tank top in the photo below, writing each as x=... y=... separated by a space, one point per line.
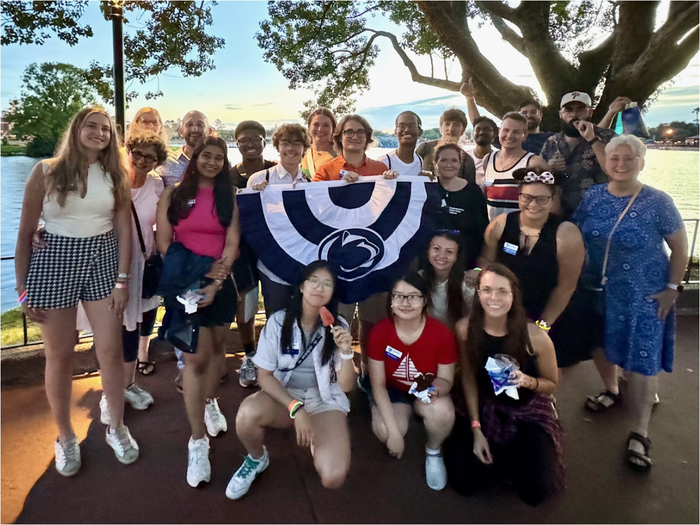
x=501 y=189
x=404 y=160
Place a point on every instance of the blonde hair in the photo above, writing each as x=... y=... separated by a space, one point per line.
x=136 y=129
x=68 y=170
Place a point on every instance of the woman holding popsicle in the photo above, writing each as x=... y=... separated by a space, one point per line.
x=411 y=367
x=304 y=361
x=521 y=436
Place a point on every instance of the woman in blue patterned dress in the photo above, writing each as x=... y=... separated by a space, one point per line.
x=638 y=322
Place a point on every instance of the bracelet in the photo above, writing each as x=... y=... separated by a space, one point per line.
x=593 y=140
x=294 y=407
x=476 y=424
x=347 y=357
x=120 y=285
x=544 y=325
x=477 y=269
x=537 y=385
x=22 y=297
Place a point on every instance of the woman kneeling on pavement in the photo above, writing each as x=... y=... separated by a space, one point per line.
x=304 y=369
x=198 y=231
x=521 y=437
x=411 y=347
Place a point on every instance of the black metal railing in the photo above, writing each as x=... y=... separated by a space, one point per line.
x=687 y=279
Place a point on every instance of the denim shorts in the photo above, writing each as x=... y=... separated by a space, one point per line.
x=313 y=403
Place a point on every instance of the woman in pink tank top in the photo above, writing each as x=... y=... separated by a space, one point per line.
x=201 y=214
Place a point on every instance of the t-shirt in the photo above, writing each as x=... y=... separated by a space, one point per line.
x=331 y=169
x=464 y=210
x=439 y=297
x=174 y=168
x=479 y=166
x=240 y=177
x=393 y=162
x=534 y=141
x=402 y=363
x=427 y=150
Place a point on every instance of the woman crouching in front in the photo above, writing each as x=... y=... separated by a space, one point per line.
x=304 y=370
x=522 y=437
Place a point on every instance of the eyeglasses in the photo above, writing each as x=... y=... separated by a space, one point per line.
x=326 y=286
x=526 y=198
x=349 y=133
x=412 y=127
x=501 y=293
x=413 y=299
x=287 y=144
x=575 y=110
x=148 y=122
x=249 y=141
x=138 y=156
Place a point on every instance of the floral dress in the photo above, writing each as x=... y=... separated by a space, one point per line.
x=638 y=267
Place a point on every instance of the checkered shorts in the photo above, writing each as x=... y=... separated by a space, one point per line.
x=70 y=269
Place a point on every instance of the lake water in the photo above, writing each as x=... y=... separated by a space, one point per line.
x=675 y=172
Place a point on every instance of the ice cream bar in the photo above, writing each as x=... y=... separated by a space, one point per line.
x=326 y=317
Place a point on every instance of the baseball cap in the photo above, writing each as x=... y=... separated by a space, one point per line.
x=576 y=96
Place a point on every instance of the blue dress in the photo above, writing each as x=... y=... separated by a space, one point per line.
x=638 y=266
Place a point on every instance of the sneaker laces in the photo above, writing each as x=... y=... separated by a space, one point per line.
x=214 y=411
x=123 y=440
x=249 y=465
x=68 y=450
x=198 y=452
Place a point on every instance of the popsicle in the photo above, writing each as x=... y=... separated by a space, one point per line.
x=326 y=317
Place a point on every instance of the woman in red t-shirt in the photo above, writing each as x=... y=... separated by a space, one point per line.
x=402 y=348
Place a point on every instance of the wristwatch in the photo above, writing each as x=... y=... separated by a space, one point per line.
x=593 y=140
x=677 y=287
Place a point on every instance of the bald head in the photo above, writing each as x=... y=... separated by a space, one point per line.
x=194 y=128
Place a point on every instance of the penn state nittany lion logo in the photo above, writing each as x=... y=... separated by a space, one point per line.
x=355 y=252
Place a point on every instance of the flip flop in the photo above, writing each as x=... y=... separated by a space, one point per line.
x=633 y=454
x=603 y=401
x=145 y=368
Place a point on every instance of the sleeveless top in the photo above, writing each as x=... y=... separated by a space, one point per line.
x=82 y=216
x=538 y=271
x=501 y=188
x=492 y=346
x=201 y=232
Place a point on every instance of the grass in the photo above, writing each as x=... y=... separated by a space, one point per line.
x=12 y=333
x=9 y=150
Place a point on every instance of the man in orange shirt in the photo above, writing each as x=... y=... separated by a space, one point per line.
x=351 y=138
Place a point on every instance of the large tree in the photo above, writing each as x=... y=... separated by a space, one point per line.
x=334 y=44
x=168 y=34
x=51 y=94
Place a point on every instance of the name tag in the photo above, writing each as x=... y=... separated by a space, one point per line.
x=443 y=204
x=393 y=353
x=509 y=248
x=294 y=350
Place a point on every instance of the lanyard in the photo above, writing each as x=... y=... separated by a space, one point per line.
x=306 y=353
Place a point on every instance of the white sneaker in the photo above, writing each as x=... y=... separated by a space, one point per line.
x=67 y=456
x=125 y=447
x=245 y=475
x=104 y=410
x=213 y=418
x=137 y=397
x=435 y=471
x=248 y=375
x=198 y=466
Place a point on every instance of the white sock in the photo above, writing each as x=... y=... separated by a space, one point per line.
x=432 y=451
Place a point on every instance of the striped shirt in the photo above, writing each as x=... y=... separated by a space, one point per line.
x=501 y=187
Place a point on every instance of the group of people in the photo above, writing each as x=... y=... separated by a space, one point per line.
x=547 y=257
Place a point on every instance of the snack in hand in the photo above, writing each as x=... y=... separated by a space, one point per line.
x=326 y=317
x=424 y=381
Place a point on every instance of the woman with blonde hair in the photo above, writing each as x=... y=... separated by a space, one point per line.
x=147 y=119
x=83 y=196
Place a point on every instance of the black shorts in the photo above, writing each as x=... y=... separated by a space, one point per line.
x=223 y=310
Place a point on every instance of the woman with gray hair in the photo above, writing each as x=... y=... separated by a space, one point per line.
x=634 y=285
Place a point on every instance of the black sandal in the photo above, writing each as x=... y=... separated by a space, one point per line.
x=145 y=368
x=603 y=401
x=633 y=454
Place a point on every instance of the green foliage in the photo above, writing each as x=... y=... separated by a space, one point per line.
x=681 y=130
x=51 y=94
x=168 y=34
x=12 y=330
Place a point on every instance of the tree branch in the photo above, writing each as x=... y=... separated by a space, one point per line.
x=509 y=35
x=499 y=9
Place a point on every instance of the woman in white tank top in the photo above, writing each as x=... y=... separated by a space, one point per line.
x=83 y=197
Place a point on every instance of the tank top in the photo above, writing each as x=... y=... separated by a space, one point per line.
x=201 y=232
x=492 y=346
x=501 y=187
x=538 y=271
x=82 y=216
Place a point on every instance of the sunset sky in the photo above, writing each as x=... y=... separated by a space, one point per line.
x=222 y=94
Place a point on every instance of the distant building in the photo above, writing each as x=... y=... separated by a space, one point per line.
x=692 y=141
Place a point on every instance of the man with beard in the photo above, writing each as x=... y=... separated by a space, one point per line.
x=485 y=131
x=453 y=123
x=532 y=111
x=578 y=151
x=194 y=129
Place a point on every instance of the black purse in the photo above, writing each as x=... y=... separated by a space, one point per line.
x=153 y=266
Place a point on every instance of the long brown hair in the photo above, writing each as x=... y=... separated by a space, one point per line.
x=456 y=306
x=69 y=168
x=517 y=341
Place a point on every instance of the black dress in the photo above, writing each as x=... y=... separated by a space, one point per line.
x=538 y=271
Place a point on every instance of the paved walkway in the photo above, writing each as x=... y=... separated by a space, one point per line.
x=379 y=489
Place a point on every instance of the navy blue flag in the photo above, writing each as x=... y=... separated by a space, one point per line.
x=369 y=231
